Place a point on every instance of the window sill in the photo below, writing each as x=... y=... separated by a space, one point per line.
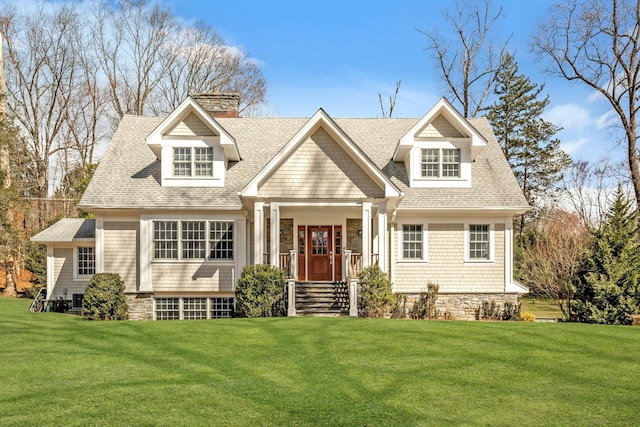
x=192 y=261
x=479 y=261
x=412 y=261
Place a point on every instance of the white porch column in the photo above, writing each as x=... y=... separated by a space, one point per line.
x=382 y=236
x=275 y=234
x=258 y=232
x=146 y=248
x=50 y=267
x=366 y=234
x=99 y=244
x=508 y=254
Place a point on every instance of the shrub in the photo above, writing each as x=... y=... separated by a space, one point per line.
x=399 y=307
x=376 y=299
x=425 y=307
x=511 y=311
x=260 y=292
x=104 y=298
x=527 y=317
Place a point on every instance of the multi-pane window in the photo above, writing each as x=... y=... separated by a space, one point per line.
x=165 y=239
x=182 y=161
x=440 y=163
x=193 y=238
x=194 y=308
x=192 y=161
x=167 y=308
x=412 y=241
x=451 y=163
x=221 y=239
x=430 y=162
x=479 y=242
x=86 y=261
x=194 y=242
x=173 y=308
x=203 y=161
x=221 y=308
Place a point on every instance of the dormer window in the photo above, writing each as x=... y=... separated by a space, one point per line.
x=192 y=161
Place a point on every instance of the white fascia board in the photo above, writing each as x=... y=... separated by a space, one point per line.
x=155 y=140
x=506 y=210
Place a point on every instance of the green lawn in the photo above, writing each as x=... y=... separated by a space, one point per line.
x=61 y=370
x=540 y=307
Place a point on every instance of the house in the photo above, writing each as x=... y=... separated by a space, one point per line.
x=182 y=203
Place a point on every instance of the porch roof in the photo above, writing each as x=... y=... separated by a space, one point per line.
x=68 y=230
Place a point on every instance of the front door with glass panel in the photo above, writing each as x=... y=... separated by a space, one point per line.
x=319 y=253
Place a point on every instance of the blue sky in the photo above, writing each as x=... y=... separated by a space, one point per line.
x=339 y=55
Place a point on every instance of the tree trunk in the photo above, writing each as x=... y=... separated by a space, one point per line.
x=10 y=284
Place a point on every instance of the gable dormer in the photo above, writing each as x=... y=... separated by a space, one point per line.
x=321 y=162
x=192 y=147
x=439 y=149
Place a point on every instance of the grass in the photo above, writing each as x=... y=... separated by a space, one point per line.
x=61 y=370
x=540 y=307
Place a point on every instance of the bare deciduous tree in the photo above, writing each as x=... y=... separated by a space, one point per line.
x=598 y=43
x=392 y=102
x=554 y=255
x=469 y=64
x=587 y=187
x=197 y=61
x=41 y=69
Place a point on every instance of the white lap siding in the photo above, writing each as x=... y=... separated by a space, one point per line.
x=63 y=266
x=121 y=254
x=446 y=264
x=202 y=276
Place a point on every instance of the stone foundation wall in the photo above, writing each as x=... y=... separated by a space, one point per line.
x=140 y=306
x=462 y=306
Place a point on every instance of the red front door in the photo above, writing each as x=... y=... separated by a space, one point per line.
x=319 y=253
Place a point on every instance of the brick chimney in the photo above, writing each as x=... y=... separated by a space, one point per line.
x=219 y=104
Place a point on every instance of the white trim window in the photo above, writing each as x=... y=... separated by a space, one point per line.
x=192 y=161
x=194 y=242
x=412 y=245
x=479 y=242
x=193 y=238
x=85 y=261
x=167 y=308
x=440 y=163
x=187 y=308
x=221 y=239
x=165 y=239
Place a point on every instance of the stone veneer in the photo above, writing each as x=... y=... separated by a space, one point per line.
x=354 y=240
x=140 y=306
x=463 y=306
x=219 y=104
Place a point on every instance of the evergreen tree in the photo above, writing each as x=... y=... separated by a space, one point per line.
x=610 y=292
x=526 y=139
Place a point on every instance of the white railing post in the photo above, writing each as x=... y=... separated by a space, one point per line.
x=293 y=264
x=353 y=298
x=346 y=264
x=291 y=288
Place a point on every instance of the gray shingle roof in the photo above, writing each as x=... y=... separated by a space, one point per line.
x=67 y=230
x=129 y=174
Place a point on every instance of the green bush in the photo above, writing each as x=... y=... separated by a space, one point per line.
x=104 y=298
x=376 y=299
x=260 y=292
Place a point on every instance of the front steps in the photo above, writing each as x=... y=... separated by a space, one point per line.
x=322 y=299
